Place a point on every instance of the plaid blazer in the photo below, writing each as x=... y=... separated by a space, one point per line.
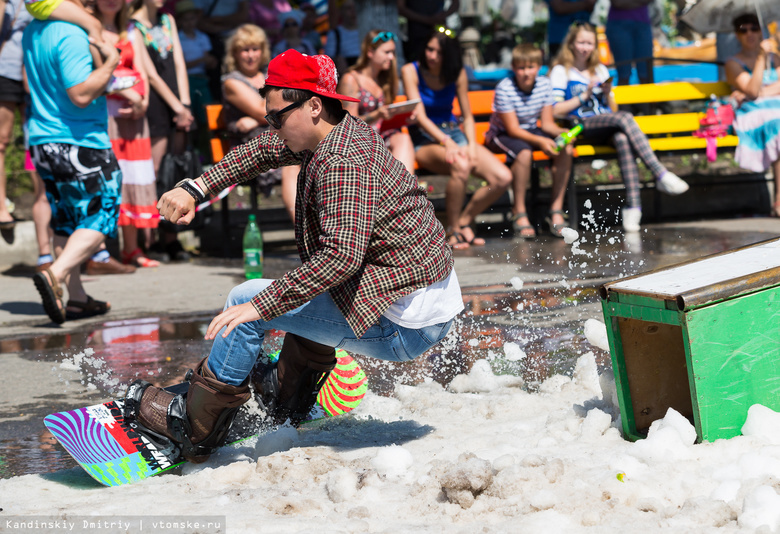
x=365 y=230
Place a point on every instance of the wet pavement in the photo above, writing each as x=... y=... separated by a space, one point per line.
x=526 y=296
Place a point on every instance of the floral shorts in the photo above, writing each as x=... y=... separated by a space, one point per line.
x=83 y=186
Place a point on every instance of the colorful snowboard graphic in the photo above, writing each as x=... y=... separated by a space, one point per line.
x=114 y=454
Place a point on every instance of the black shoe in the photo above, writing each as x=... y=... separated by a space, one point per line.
x=176 y=252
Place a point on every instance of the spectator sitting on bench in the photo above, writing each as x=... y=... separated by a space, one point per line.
x=758 y=90
x=247 y=54
x=374 y=81
x=582 y=88
x=519 y=102
x=441 y=145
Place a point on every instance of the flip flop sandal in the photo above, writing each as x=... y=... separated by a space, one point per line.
x=473 y=241
x=556 y=229
x=518 y=229
x=51 y=294
x=91 y=308
x=460 y=241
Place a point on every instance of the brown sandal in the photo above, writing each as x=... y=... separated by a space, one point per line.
x=456 y=240
x=90 y=308
x=51 y=295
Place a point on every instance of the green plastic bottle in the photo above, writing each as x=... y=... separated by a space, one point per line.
x=567 y=137
x=253 y=250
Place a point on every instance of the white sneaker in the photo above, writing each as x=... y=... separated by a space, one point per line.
x=671 y=184
x=631 y=219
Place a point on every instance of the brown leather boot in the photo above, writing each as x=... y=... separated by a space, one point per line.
x=289 y=388
x=211 y=407
x=199 y=420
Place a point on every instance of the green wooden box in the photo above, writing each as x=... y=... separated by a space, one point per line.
x=702 y=337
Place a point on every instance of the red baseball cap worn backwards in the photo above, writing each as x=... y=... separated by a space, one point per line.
x=293 y=70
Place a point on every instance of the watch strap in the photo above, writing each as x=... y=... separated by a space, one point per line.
x=192 y=189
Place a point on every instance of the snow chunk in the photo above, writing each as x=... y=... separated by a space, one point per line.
x=586 y=373
x=596 y=334
x=482 y=380
x=570 y=235
x=466 y=479
x=392 y=461
x=764 y=423
x=668 y=439
x=761 y=507
x=595 y=424
x=341 y=485
x=513 y=352
x=517 y=282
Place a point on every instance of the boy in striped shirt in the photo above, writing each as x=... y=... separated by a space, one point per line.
x=522 y=122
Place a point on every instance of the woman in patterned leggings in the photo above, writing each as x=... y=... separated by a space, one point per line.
x=582 y=88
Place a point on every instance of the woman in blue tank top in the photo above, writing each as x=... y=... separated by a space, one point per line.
x=442 y=146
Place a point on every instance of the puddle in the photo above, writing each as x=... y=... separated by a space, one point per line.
x=536 y=327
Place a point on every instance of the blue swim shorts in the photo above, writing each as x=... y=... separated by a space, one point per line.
x=83 y=186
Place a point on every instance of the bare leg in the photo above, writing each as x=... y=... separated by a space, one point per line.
x=71 y=253
x=129 y=239
x=521 y=175
x=776 y=203
x=402 y=149
x=431 y=157
x=159 y=147
x=561 y=168
x=41 y=213
x=498 y=178
x=6 y=129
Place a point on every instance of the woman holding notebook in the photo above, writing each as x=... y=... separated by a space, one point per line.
x=374 y=81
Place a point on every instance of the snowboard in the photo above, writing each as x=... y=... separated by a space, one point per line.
x=116 y=452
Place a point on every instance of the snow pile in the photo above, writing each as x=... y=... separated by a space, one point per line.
x=481 y=455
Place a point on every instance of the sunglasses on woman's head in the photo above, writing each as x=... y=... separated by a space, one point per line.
x=383 y=36
x=744 y=28
x=446 y=31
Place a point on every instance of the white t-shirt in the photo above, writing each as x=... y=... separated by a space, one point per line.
x=437 y=303
x=569 y=83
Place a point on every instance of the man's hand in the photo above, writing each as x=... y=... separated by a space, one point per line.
x=177 y=206
x=231 y=318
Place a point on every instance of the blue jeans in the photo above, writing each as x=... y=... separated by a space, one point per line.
x=629 y=40
x=232 y=358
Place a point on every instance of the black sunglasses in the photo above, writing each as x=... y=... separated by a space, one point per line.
x=275 y=119
x=744 y=28
x=383 y=36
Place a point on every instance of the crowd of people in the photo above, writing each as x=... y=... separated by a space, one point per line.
x=168 y=59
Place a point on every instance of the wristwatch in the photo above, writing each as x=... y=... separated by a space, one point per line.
x=190 y=187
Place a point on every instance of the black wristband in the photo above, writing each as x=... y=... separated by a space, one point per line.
x=192 y=189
